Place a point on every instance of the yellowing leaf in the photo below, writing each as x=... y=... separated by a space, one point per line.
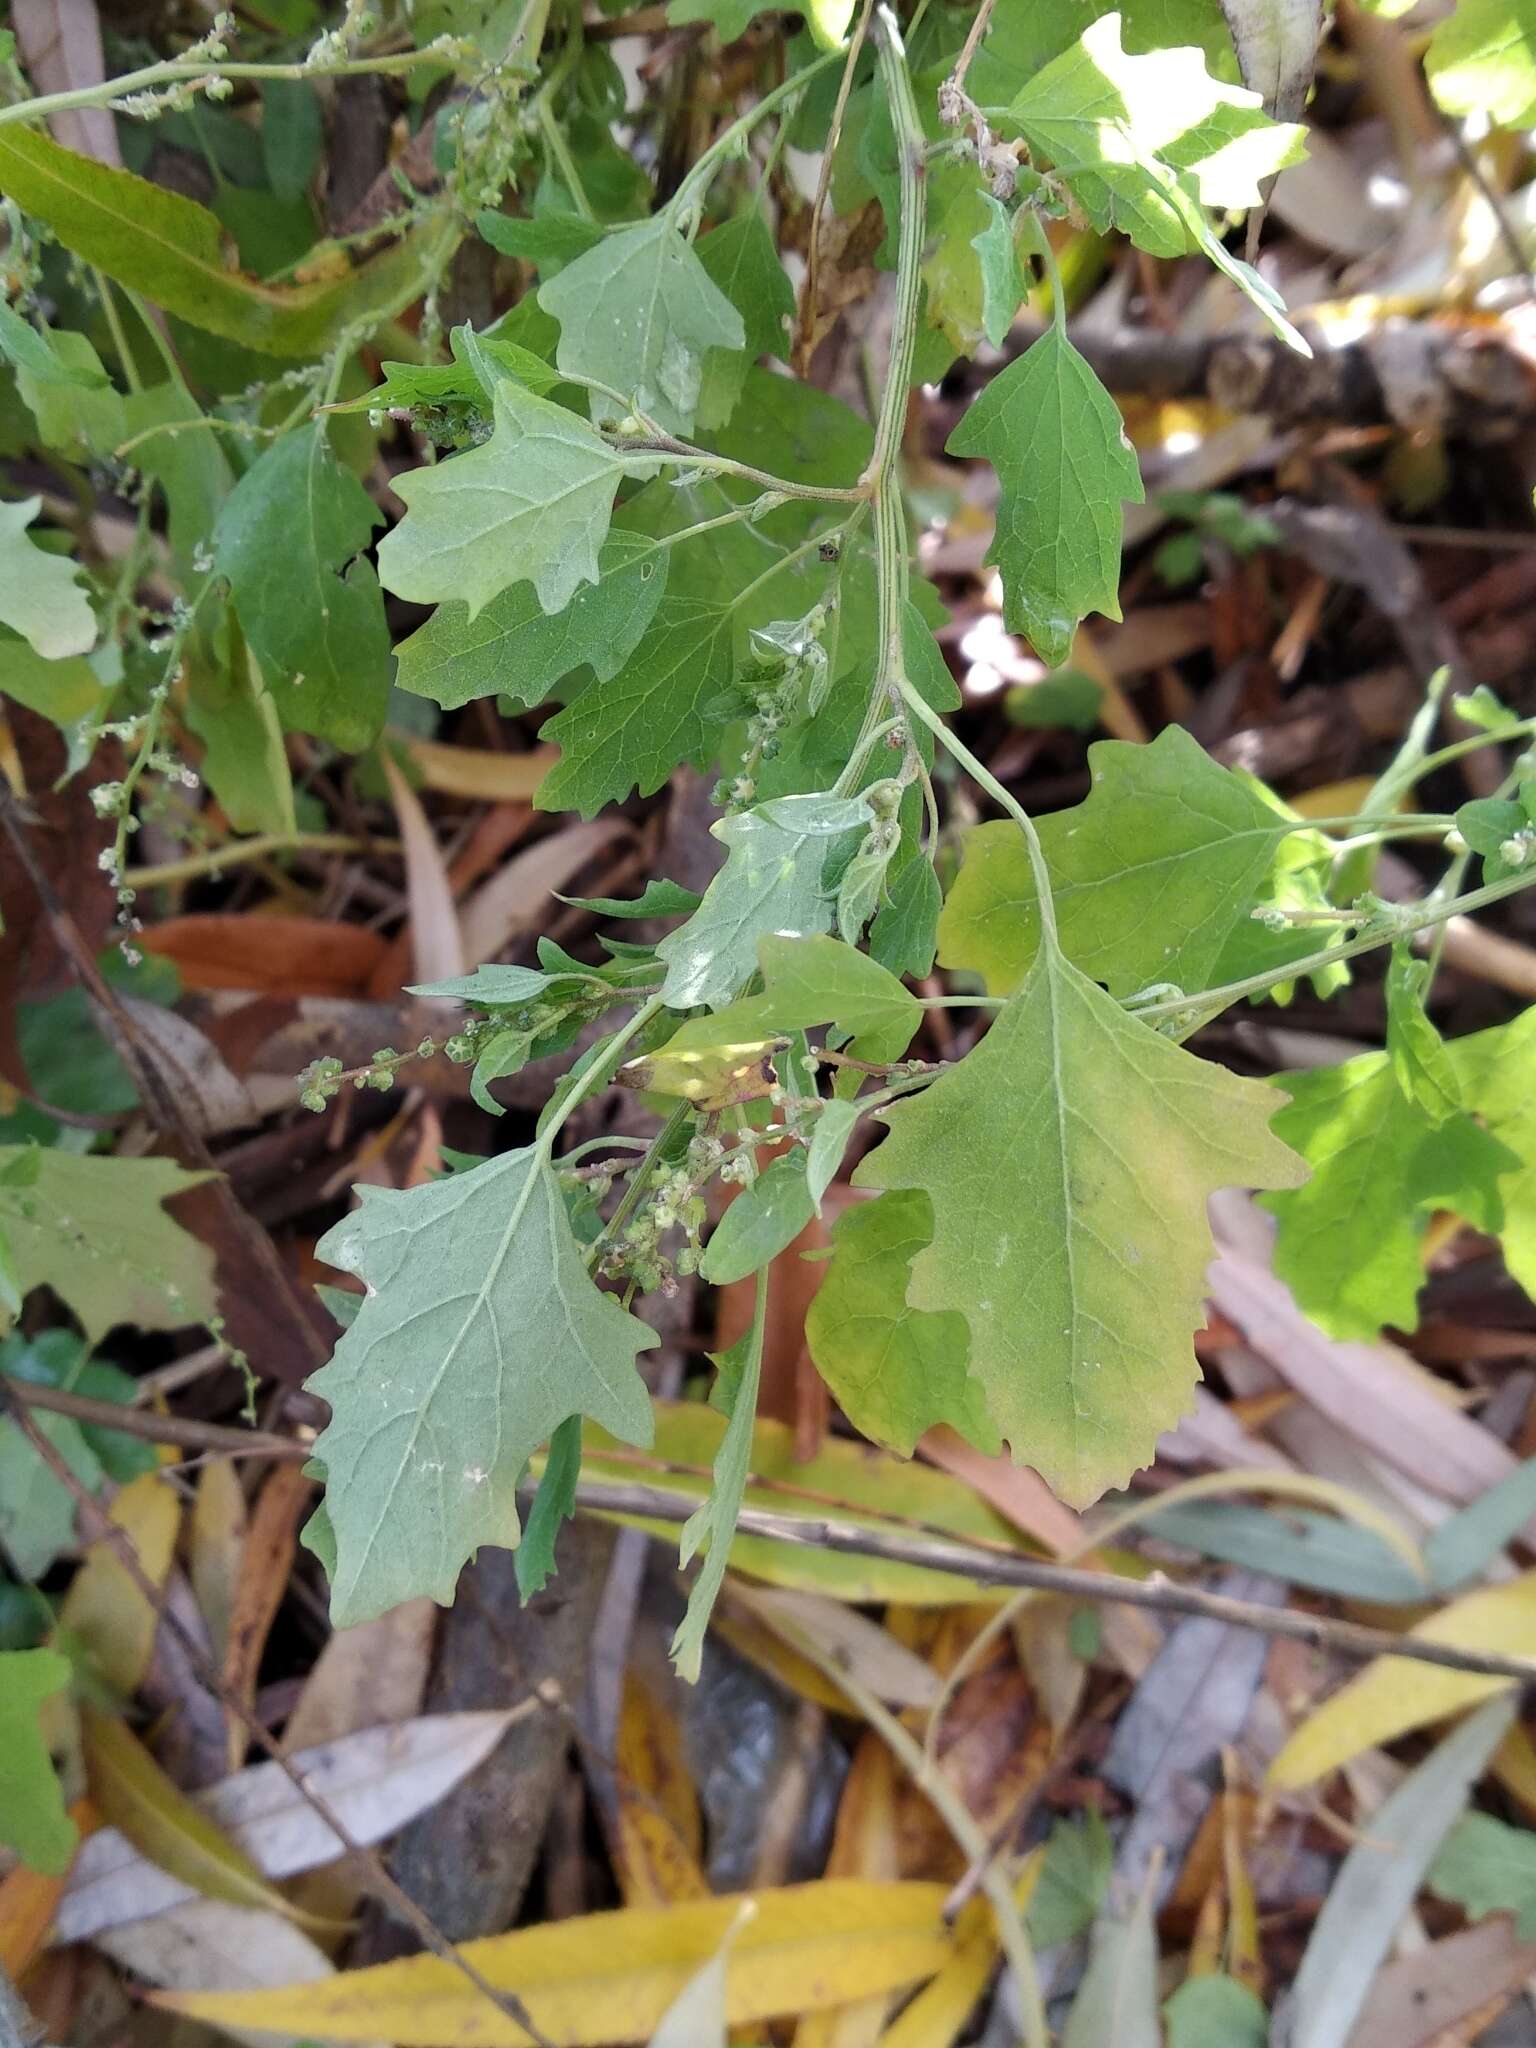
x=104 y=1611
x=1068 y=1159
x=131 y=1792
x=611 y=1976
x=1393 y=1695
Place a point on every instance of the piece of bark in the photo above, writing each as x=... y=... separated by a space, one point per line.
x=467 y=1863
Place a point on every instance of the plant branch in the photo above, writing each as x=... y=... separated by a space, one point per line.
x=692 y=188
x=103 y=1529
x=217 y=858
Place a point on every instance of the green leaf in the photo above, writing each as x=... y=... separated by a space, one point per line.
x=811 y=981
x=1485 y=1866
x=729 y=18
x=514 y=648
x=835 y=1125
x=190 y=467
x=760 y=1223
x=233 y=713
x=553 y=1505
x=37 y=1511
x=285 y=535
x=481 y=1332
x=1073 y=1880
x=1068 y=1159
x=1153 y=875
x=1215 y=2012
x=639 y=313
x=42 y=595
x=1349 y=1240
x=659 y=898
x=1486 y=710
x=157 y=242
x=494 y=986
x=79 y=420
x=780 y=877
x=33 y=1821
x=547 y=242
x=1482 y=60
x=1461 y=1547
x=894 y=1371
x=1147 y=142
x=1025 y=35
x=1319 y=1551
x=93 y=1230
x=741 y=259
x=713 y=1522
x=904 y=936
x=292 y=134
x=64 y=691
x=1002 y=287
x=534 y=501
x=1117 y=1999
x=26 y=349
x=1497 y=1072
x=1421 y=1060
x=1055 y=437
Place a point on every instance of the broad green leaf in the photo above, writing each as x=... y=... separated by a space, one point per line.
x=33 y=1821
x=1421 y=1060
x=1349 y=1240
x=639 y=313
x=37 y=1511
x=1074 y=1877
x=234 y=714
x=292 y=134
x=80 y=420
x=894 y=1371
x=1068 y=1159
x=1497 y=1072
x=534 y=501
x=190 y=467
x=713 y=1522
x=1055 y=437
x=1152 y=875
x=64 y=691
x=1482 y=60
x=905 y=934
x=287 y=532
x=811 y=981
x=741 y=259
x=42 y=595
x=157 y=242
x=760 y=1223
x=1215 y=2012
x=547 y=241
x=24 y=348
x=1025 y=35
x=1485 y=1866
x=1366 y=1905
x=514 y=648
x=780 y=878
x=553 y=1505
x=481 y=1332
x=93 y=1230
x=1147 y=142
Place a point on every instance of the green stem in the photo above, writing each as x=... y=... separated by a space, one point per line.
x=597 y=1074
x=238 y=851
x=629 y=1201
x=683 y=199
x=46 y=105
x=1424 y=917
x=985 y=779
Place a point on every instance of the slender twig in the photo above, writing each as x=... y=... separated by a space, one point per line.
x=971 y=44
x=962 y=1824
x=806 y=321
x=191 y=866
x=101 y=1528
x=184 y=1433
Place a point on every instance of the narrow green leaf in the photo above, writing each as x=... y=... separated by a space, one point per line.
x=1421 y=1060
x=659 y=898
x=1002 y=287
x=894 y=1371
x=1461 y=1547
x=835 y=1125
x=1319 y=1551
x=1117 y=1999
x=1068 y=1159
x=713 y=1522
x=1055 y=437
x=762 y=1221
x=33 y=1821
x=481 y=1332
x=553 y=1506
